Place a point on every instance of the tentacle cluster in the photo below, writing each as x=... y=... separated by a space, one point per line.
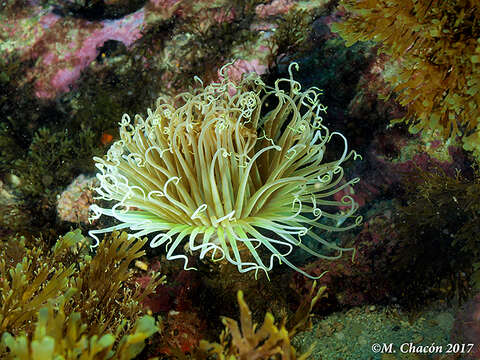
x=214 y=171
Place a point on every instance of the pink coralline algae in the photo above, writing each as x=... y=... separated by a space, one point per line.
x=209 y=12
x=276 y=7
x=164 y=3
x=165 y=8
x=74 y=203
x=61 y=47
x=61 y=62
x=241 y=67
x=48 y=20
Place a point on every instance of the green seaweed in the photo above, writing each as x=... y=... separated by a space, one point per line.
x=439 y=227
x=19 y=110
x=291 y=34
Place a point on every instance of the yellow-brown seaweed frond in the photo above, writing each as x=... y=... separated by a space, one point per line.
x=101 y=283
x=58 y=335
x=28 y=279
x=271 y=341
x=58 y=302
x=436 y=45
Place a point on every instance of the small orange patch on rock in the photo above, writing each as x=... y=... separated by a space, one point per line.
x=106 y=138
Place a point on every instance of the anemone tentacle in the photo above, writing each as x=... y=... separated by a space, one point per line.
x=235 y=171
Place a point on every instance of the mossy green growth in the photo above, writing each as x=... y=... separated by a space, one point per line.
x=291 y=33
x=52 y=158
x=439 y=230
x=64 y=302
x=9 y=148
x=436 y=50
x=21 y=112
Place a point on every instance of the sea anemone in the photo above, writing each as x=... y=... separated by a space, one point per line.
x=233 y=170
